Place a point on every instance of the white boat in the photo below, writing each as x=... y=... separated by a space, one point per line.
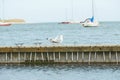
x=57 y=39
x=2 y=22
x=90 y=21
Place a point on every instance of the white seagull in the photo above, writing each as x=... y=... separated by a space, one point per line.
x=57 y=39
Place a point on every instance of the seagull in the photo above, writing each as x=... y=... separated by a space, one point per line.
x=57 y=39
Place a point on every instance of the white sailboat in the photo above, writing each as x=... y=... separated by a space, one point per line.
x=2 y=22
x=90 y=21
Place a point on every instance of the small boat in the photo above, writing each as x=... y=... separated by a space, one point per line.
x=57 y=39
x=66 y=22
x=89 y=22
x=4 y=24
x=70 y=22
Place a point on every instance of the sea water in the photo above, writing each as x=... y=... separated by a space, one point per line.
x=59 y=72
x=74 y=34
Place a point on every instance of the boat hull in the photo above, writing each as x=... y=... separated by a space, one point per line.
x=65 y=22
x=5 y=24
x=71 y=22
x=90 y=24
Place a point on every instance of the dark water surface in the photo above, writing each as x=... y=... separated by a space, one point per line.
x=59 y=72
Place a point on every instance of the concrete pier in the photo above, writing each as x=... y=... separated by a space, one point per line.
x=61 y=54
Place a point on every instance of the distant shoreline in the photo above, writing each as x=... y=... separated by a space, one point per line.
x=13 y=21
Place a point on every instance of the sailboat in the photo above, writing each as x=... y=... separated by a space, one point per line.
x=2 y=22
x=90 y=21
x=71 y=21
x=67 y=21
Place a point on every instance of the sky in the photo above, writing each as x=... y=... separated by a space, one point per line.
x=59 y=10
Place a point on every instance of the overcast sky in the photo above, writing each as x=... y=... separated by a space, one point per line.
x=60 y=10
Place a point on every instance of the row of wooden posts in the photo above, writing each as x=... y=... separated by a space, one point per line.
x=60 y=54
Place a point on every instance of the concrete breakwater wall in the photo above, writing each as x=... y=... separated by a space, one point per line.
x=60 y=54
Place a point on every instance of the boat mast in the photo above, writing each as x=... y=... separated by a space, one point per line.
x=66 y=14
x=92 y=8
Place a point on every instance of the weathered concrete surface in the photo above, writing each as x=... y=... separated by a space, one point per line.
x=60 y=49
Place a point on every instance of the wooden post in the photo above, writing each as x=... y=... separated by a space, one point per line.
x=116 y=58
x=110 y=56
x=104 y=56
x=31 y=56
x=82 y=56
x=89 y=58
x=35 y=56
x=54 y=56
x=11 y=57
x=6 y=57
x=95 y=57
x=77 y=56
x=47 y=56
x=19 y=57
x=42 y=56
x=72 y=57
x=66 y=56
x=59 y=56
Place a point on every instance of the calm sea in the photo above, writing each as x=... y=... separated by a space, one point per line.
x=59 y=72
x=74 y=34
